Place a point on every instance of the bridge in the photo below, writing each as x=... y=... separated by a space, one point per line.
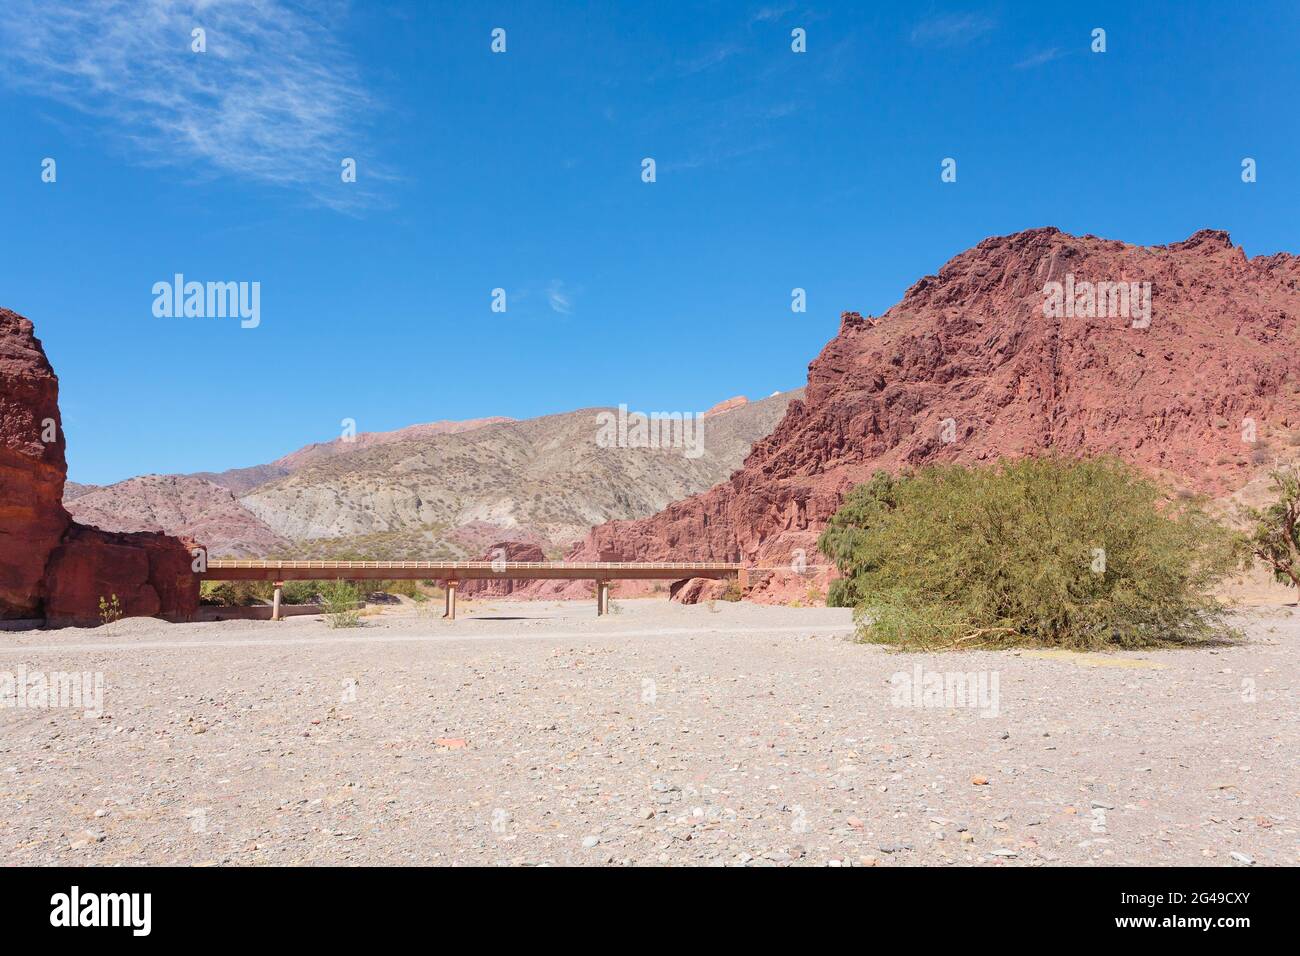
x=451 y=573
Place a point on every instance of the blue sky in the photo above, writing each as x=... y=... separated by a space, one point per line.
x=522 y=171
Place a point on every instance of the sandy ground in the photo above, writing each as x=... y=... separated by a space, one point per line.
x=533 y=733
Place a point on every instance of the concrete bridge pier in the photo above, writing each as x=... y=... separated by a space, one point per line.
x=602 y=598
x=275 y=600
x=450 y=613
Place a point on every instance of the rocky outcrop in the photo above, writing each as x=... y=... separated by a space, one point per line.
x=148 y=573
x=51 y=566
x=502 y=551
x=975 y=364
x=698 y=590
x=32 y=467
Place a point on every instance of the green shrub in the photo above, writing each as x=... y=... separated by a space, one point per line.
x=301 y=592
x=846 y=539
x=1045 y=551
x=235 y=593
x=405 y=587
x=1274 y=537
x=341 y=603
x=248 y=593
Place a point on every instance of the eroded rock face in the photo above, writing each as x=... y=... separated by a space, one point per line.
x=502 y=551
x=969 y=368
x=149 y=573
x=50 y=566
x=32 y=467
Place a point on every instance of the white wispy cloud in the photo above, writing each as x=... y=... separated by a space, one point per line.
x=764 y=14
x=559 y=298
x=1039 y=58
x=719 y=53
x=952 y=29
x=274 y=99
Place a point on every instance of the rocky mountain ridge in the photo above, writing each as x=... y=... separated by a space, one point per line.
x=1196 y=381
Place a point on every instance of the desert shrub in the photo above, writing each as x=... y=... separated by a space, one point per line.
x=235 y=593
x=301 y=592
x=341 y=603
x=1274 y=537
x=1078 y=554
x=110 y=610
x=248 y=593
x=846 y=540
x=405 y=587
x=732 y=592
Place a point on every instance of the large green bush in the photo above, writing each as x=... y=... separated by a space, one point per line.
x=1045 y=551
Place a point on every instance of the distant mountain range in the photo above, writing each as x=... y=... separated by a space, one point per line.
x=441 y=490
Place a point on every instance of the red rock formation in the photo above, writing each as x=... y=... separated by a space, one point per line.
x=968 y=367
x=149 y=573
x=32 y=519
x=698 y=590
x=49 y=565
x=502 y=551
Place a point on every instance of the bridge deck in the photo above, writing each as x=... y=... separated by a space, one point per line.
x=247 y=570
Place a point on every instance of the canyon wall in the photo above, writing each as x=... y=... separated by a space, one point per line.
x=50 y=566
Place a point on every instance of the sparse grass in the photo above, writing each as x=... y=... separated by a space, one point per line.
x=733 y=592
x=341 y=603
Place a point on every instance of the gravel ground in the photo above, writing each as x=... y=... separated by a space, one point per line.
x=532 y=733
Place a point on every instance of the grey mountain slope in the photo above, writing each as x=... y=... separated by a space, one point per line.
x=544 y=477
x=435 y=495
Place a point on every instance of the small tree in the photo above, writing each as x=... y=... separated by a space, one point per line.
x=1275 y=538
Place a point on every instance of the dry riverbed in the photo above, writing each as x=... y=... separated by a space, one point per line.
x=534 y=733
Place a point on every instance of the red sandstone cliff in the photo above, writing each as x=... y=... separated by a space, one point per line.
x=32 y=519
x=969 y=368
x=51 y=566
